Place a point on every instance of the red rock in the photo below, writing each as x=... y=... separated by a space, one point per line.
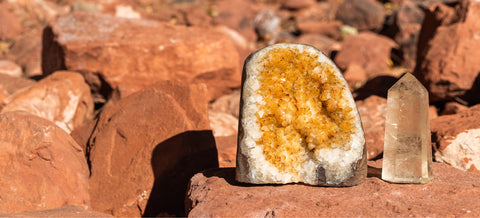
x=41 y=165
x=297 y=4
x=238 y=15
x=65 y=211
x=81 y=134
x=361 y=14
x=215 y=193
x=130 y=54
x=448 y=47
x=10 y=26
x=62 y=97
x=227 y=150
x=223 y=124
x=321 y=11
x=453 y=108
x=10 y=68
x=10 y=84
x=330 y=29
x=227 y=103
x=355 y=75
x=369 y=50
x=372 y=112
x=27 y=52
x=321 y=42
x=457 y=139
x=146 y=146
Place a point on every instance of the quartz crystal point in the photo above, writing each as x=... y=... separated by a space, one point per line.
x=298 y=121
x=407 y=155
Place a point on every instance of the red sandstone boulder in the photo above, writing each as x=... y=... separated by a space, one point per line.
x=448 y=49
x=62 y=97
x=27 y=52
x=361 y=14
x=65 y=211
x=146 y=146
x=10 y=84
x=10 y=26
x=297 y=4
x=129 y=54
x=321 y=42
x=330 y=29
x=372 y=112
x=369 y=50
x=453 y=108
x=215 y=193
x=81 y=134
x=42 y=167
x=228 y=104
x=10 y=68
x=457 y=139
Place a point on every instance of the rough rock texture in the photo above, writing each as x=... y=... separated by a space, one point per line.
x=449 y=45
x=27 y=52
x=62 y=97
x=457 y=139
x=297 y=4
x=453 y=108
x=330 y=29
x=10 y=26
x=223 y=124
x=355 y=75
x=129 y=54
x=361 y=14
x=65 y=211
x=81 y=134
x=41 y=165
x=321 y=42
x=369 y=50
x=214 y=193
x=10 y=68
x=146 y=146
x=10 y=84
x=372 y=112
x=227 y=150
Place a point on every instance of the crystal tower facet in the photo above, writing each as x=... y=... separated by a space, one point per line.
x=407 y=156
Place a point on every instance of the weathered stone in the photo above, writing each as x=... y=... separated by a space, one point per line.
x=267 y=26
x=65 y=211
x=321 y=42
x=355 y=75
x=448 y=47
x=227 y=150
x=457 y=139
x=453 y=108
x=27 y=51
x=10 y=84
x=297 y=4
x=10 y=68
x=81 y=134
x=146 y=146
x=223 y=124
x=41 y=165
x=372 y=111
x=129 y=54
x=227 y=103
x=407 y=155
x=10 y=26
x=451 y=193
x=369 y=50
x=238 y=15
x=62 y=97
x=298 y=120
x=330 y=29
x=361 y=14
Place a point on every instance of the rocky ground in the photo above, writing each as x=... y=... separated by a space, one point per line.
x=112 y=108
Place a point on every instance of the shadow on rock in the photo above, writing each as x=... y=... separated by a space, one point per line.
x=197 y=152
x=377 y=86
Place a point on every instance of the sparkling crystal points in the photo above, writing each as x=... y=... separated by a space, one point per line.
x=407 y=156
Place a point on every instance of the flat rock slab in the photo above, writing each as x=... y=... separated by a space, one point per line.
x=452 y=192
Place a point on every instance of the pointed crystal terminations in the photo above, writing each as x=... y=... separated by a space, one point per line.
x=407 y=155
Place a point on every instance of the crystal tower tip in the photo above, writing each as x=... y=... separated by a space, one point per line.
x=407 y=156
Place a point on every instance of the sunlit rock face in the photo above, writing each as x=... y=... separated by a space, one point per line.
x=407 y=155
x=298 y=120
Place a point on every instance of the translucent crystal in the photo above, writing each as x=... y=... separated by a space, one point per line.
x=407 y=156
